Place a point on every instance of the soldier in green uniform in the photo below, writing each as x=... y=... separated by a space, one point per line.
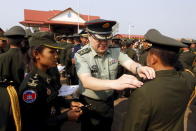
x=11 y=73
x=38 y=93
x=96 y=66
x=187 y=57
x=160 y=104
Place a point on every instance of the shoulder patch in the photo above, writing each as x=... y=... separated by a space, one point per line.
x=29 y=96
x=84 y=51
x=33 y=81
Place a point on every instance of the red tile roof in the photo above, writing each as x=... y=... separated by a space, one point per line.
x=42 y=17
x=35 y=15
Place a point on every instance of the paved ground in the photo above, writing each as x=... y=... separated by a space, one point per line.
x=120 y=113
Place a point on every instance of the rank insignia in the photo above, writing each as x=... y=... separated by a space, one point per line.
x=113 y=61
x=29 y=96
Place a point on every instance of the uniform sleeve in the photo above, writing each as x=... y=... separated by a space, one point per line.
x=138 y=112
x=81 y=65
x=123 y=58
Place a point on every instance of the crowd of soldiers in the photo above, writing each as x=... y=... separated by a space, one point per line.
x=21 y=78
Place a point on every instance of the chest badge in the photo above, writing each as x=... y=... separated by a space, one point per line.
x=29 y=96
x=113 y=61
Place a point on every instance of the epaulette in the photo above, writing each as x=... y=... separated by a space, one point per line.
x=84 y=51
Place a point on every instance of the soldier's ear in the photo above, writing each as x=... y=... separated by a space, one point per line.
x=35 y=54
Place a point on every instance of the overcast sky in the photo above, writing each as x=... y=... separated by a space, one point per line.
x=175 y=18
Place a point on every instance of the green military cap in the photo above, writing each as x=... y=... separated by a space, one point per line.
x=45 y=39
x=15 y=31
x=83 y=33
x=100 y=28
x=2 y=37
x=29 y=33
x=76 y=35
x=63 y=36
x=187 y=42
x=70 y=36
x=157 y=39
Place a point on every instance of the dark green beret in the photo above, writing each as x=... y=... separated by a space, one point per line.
x=157 y=39
x=100 y=28
x=187 y=42
x=15 y=31
x=45 y=39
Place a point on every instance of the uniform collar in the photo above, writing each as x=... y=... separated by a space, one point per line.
x=42 y=74
x=166 y=73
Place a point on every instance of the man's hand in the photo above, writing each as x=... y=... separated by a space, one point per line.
x=145 y=72
x=126 y=81
x=74 y=114
x=76 y=105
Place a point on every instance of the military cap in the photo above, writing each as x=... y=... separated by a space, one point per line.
x=70 y=36
x=83 y=33
x=45 y=39
x=187 y=42
x=193 y=41
x=100 y=28
x=2 y=37
x=76 y=35
x=15 y=31
x=157 y=39
x=29 y=33
x=63 y=36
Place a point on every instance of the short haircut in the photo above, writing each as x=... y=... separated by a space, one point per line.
x=15 y=40
x=168 y=57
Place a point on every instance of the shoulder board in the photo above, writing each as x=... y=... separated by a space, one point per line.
x=84 y=51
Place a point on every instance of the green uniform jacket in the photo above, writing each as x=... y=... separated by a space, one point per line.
x=160 y=104
x=11 y=68
x=40 y=103
x=187 y=58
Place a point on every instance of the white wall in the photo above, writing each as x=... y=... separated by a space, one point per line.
x=69 y=16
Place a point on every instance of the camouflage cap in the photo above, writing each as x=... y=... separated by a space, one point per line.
x=157 y=39
x=15 y=31
x=185 y=41
x=100 y=28
x=45 y=39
